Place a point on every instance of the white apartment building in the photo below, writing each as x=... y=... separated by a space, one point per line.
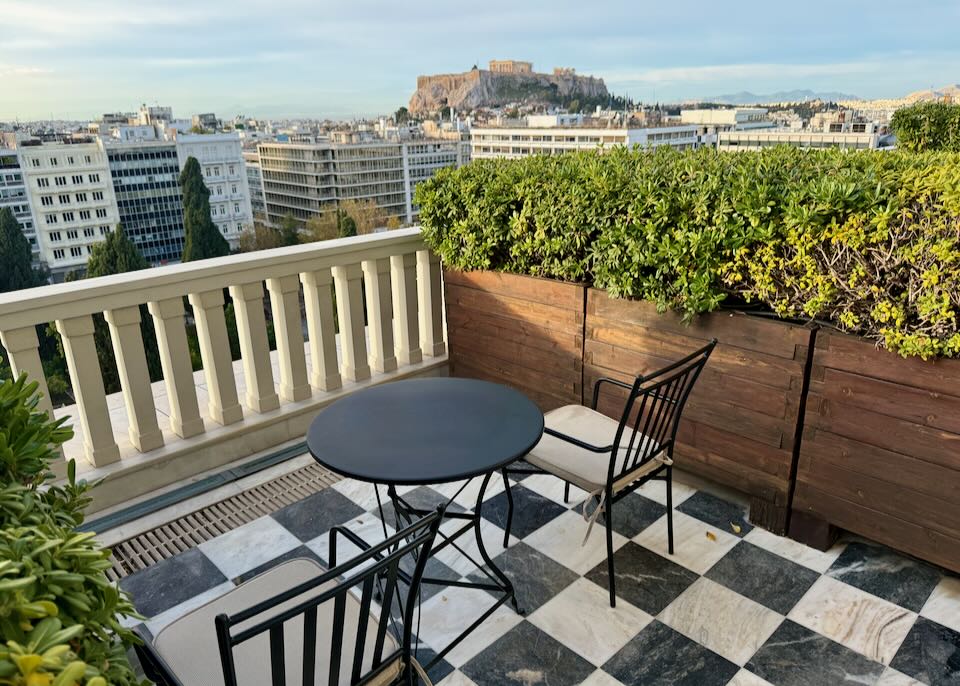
x=251 y=162
x=757 y=140
x=305 y=179
x=72 y=198
x=221 y=159
x=513 y=142
x=14 y=194
x=735 y=118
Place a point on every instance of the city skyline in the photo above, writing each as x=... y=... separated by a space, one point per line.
x=345 y=60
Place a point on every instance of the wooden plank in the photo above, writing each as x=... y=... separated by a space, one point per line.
x=464 y=320
x=895 y=532
x=737 y=447
x=760 y=367
x=926 y=478
x=858 y=356
x=516 y=350
x=928 y=408
x=730 y=472
x=535 y=289
x=568 y=388
x=544 y=400
x=753 y=333
x=547 y=316
x=923 y=442
x=898 y=500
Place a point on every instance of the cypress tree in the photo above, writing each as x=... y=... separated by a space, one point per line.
x=16 y=258
x=202 y=238
x=116 y=255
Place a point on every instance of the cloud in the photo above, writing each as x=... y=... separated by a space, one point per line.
x=727 y=72
x=221 y=60
x=11 y=70
x=98 y=17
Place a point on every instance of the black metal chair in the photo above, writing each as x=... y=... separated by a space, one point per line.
x=640 y=446
x=345 y=617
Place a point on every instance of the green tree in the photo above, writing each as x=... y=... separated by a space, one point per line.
x=16 y=260
x=401 y=115
x=348 y=227
x=202 y=238
x=289 y=230
x=322 y=227
x=260 y=237
x=116 y=255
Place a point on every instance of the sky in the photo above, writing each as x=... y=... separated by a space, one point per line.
x=353 y=58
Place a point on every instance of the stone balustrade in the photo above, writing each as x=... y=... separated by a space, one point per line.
x=382 y=292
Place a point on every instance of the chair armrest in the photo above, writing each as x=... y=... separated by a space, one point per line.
x=577 y=442
x=154 y=666
x=603 y=380
x=352 y=537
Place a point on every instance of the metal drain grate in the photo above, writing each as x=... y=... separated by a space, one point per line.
x=189 y=531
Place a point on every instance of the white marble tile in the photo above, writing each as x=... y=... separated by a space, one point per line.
x=657 y=490
x=562 y=539
x=444 y=616
x=551 y=487
x=892 y=677
x=725 y=622
x=467 y=497
x=366 y=526
x=814 y=559
x=158 y=622
x=249 y=546
x=457 y=678
x=580 y=617
x=859 y=620
x=361 y=493
x=453 y=558
x=745 y=678
x=697 y=545
x=600 y=678
x=943 y=605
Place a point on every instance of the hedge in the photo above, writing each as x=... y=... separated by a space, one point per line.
x=928 y=126
x=867 y=241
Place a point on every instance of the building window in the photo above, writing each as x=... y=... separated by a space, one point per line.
x=101 y=213
x=231 y=170
x=77 y=179
x=216 y=171
x=233 y=188
x=53 y=161
x=46 y=200
x=51 y=219
x=36 y=162
x=58 y=254
x=236 y=208
x=88 y=232
x=223 y=209
x=72 y=235
x=84 y=214
x=98 y=195
x=76 y=252
x=70 y=160
x=81 y=197
x=94 y=178
x=60 y=180
x=64 y=199
x=88 y=160
x=68 y=216
x=55 y=236
x=104 y=230
x=43 y=183
x=239 y=227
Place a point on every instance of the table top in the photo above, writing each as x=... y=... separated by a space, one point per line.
x=424 y=431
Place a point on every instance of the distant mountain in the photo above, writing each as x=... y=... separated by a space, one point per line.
x=952 y=91
x=801 y=95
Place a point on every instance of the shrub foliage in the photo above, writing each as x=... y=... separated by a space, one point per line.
x=928 y=126
x=867 y=241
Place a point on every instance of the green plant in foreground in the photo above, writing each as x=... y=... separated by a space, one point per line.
x=59 y=615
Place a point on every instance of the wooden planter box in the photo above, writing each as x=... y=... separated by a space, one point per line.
x=518 y=330
x=880 y=454
x=740 y=424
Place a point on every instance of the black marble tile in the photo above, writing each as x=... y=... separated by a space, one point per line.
x=526 y=655
x=435 y=569
x=722 y=514
x=771 y=580
x=421 y=498
x=634 y=513
x=530 y=511
x=317 y=513
x=930 y=653
x=660 y=656
x=878 y=570
x=298 y=552
x=643 y=578
x=796 y=656
x=172 y=581
x=536 y=578
x=438 y=672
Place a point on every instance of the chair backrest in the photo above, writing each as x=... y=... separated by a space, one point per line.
x=656 y=400
x=375 y=571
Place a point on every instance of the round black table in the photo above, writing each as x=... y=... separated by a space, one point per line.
x=431 y=431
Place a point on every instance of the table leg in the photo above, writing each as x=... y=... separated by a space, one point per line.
x=507 y=584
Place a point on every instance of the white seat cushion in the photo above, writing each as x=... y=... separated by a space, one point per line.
x=189 y=644
x=581 y=467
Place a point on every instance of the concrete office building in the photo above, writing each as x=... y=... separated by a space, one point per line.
x=305 y=179
x=72 y=198
x=14 y=194
x=542 y=137
x=729 y=119
x=251 y=162
x=757 y=140
x=221 y=160
x=145 y=177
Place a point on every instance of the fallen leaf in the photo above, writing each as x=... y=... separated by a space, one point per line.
x=735 y=527
x=712 y=536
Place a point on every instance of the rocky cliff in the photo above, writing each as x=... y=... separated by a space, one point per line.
x=482 y=88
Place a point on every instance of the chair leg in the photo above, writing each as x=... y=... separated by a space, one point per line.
x=506 y=533
x=566 y=491
x=608 y=521
x=669 y=510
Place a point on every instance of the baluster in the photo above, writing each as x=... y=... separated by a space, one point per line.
x=376 y=279
x=134 y=377
x=81 y=353
x=23 y=350
x=167 y=315
x=430 y=299
x=254 y=347
x=318 y=299
x=224 y=407
x=404 y=275
x=288 y=327
x=353 y=344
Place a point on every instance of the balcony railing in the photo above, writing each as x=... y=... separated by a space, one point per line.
x=387 y=308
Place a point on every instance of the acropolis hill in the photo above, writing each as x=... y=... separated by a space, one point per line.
x=506 y=81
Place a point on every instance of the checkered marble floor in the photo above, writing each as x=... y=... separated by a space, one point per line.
x=733 y=605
